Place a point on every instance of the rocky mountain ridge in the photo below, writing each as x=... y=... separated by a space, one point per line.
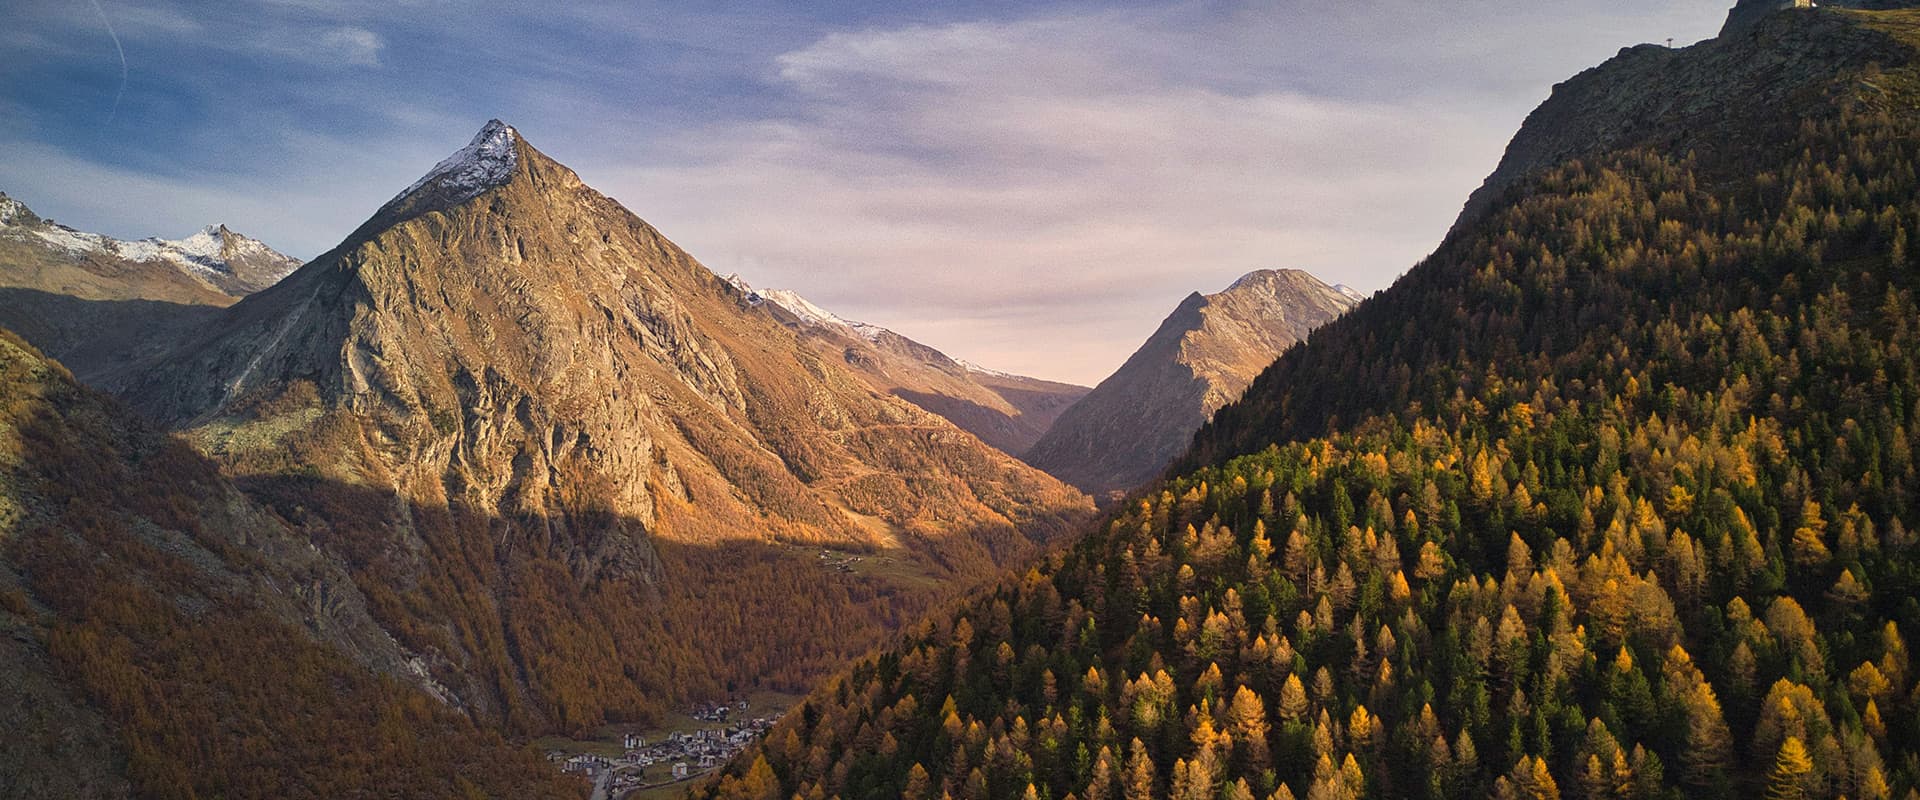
x=97 y=303
x=1007 y=411
x=219 y=264
x=1203 y=355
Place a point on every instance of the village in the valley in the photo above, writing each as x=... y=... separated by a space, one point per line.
x=669 y=758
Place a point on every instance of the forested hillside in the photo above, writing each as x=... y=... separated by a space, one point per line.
x=166 y=638
x=1612 y=497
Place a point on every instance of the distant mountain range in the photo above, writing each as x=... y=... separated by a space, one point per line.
x=1007 y=411
x=214 y=266
x=1126 y=431
x=97 y=303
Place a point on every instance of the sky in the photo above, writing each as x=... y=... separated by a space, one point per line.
x=1032 y=186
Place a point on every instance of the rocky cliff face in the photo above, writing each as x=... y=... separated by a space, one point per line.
x=506 y=363
x=1007 y=411
x=1128 y=428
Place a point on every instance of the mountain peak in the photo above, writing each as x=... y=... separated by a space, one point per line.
x=11 y=209
x=1202 y=356
x=486 y=162
x=1289 y=284
x=1269 y=277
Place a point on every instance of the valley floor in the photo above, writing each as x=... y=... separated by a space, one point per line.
x=702 y=739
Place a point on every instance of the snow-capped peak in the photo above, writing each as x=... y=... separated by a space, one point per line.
x=1350 y=292
x=486 y=162
x=208 y=244
x=753 y=295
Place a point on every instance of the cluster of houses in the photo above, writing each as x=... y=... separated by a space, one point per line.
x=837 y=562
x=719 y=713
x=684 y=754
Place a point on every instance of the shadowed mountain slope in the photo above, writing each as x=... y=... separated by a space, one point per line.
x=166 y=637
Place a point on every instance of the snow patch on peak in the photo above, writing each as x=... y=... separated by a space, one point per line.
x=869 y=332
x=486 y=162
x=10 y=210
x=70 y=240
x=980 y=370
x=203 y=252
x=1350 y=292
x=213 y=251
x=803 y=309
x=207 y=244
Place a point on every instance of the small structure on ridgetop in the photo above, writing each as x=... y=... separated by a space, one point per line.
x=1746 y=13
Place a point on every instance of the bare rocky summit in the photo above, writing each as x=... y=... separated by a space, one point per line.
x=1747 y=13
x=1203 y=356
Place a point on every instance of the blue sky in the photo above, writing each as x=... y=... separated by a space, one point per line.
x=1031 y=186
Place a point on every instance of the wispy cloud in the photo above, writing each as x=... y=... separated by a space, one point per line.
x=352 y=46
x=1030 y=186
x=1037 y=193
